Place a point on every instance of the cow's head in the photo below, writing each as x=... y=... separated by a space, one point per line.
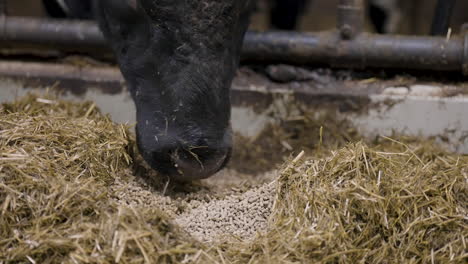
x=178 y=58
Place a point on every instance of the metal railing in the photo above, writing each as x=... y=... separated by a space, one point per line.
x=347 y=46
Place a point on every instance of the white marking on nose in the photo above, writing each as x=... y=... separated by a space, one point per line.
x=147 y=122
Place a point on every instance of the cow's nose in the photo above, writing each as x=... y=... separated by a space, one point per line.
x=188 y=164
x=198 y=163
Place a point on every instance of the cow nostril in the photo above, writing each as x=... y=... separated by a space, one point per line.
x=199 y=163
x=160 y=161
x=187 y=165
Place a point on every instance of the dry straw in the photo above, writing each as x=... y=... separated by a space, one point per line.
x=57 y=159
x=390 y=202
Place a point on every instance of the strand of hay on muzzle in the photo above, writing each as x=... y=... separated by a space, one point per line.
x=392 y=203
x=56 y=161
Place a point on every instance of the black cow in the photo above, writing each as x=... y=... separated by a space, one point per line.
x=178 y=58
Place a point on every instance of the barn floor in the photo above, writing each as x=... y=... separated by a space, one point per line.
x=87 y=198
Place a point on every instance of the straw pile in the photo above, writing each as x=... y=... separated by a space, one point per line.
x=392 y=203
x=68 y=194
x=56 y=161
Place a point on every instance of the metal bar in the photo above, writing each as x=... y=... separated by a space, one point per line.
x=76 y=79
x=62 y=71
x=3 y=7
x=442 y=15
x=350 y=19
x=364 y=50
x=109 y=80
x=51 y=32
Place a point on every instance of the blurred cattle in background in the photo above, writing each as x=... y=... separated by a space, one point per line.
x=384 y=15
x=390 y=16
x=408 y=17
x=81 y=9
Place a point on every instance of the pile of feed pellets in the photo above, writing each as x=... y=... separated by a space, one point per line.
x=235 y=215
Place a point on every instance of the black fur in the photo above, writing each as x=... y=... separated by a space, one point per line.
x=178 y=58
x=77 y=9
x=378 y=17
x=285 y=13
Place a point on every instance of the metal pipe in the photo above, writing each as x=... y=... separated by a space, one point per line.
x=60 y=72
x=350 y=19
x=365 y=50
x=74 y=79
x=464 y=31
x=442 y=15
x=51 y=32
x=3 y=7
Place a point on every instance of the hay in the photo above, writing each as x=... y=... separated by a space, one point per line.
x=66 y=140
x=392 y=203
x=57 y=159
x=68 y=194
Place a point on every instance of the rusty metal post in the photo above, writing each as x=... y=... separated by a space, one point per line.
x=350 y=20
x=350 y=23
x=3 y=14
x=3 y=7
x=464 y=32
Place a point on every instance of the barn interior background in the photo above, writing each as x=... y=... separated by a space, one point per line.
x=44 y=51
x=334 y=76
